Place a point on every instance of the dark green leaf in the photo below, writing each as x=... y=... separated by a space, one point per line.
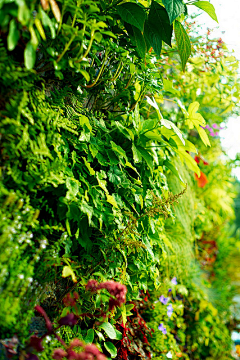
x=29 y=56
x=158 y=27
x=174 y=8
x=111 y=349
x=183 y=43
x=147 y=157
x=133 y=14
x=137 y=39
x=13 y=35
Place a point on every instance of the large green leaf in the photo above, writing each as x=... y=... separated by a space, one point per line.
x=183 y=43
x=208 y=8
x=133 y=14
x=174 y=8
x=137 y=39
x=111 y=349
x=158 y=27
x=152 y=38
x=109 y=330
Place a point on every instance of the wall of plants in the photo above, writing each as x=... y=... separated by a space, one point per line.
x=117 y=201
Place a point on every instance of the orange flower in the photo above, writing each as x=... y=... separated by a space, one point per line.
x=179 y=354
x=202 y=180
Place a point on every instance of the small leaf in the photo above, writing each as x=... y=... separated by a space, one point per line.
x=13 y=35
x=29 y=56
x=183 y=43
x=174 y=8
x=109 y=330
x=111 y=349
x=90 y=169
x=68 y=271
x=208 y=8
x=111 y=200
x=85 y=74
x=72 y=186
x=89 y=337
x=40 y=29
x=132 y=14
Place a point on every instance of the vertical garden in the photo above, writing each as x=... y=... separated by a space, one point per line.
x=116 y=198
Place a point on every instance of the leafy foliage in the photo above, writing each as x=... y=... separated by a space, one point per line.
x=107 y=178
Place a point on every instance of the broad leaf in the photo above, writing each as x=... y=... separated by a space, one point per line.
x=174 y=8
x=208 y=8
x=132 y=14
x=196 y=120
x=137 y=39
x=158 y=27
x=89 y=337
x=190 y=162
x=111 y=349
x=183 y=43
x=109 y=330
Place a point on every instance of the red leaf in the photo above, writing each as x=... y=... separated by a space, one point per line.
x=202 y=180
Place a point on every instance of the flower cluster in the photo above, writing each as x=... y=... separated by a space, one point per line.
x=88 y=352
x=162 y=329
x=215 y=128
x=117 y=290
x=164 y=300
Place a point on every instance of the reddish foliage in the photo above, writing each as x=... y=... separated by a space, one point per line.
x=202 y=180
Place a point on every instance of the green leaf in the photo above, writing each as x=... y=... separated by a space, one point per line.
x=89 y=337
x=111 y=349
x=137 y=157
x=208 y=8
x=158 y=27
x=109 y=330
x=132 y=14
x=173 y=169
x=72 y=186
x=194 y=119
x=118 y=335
x=29 y=56
x=137 y=39
x=118 y=150
x=47 y=22
x=174 y=8
x=90 y=169
x=13 y=35
x=183 y=43
x=190 y=162
x=147 y=157
x=153 y=39
x=111 y=200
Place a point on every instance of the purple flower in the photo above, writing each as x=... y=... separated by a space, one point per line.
x=206 y=127
x=163 y=300
x=169 y=290
x=217 y=133
x=169 y=310
x=162 y=329
x=215 y=126
x=174 y=280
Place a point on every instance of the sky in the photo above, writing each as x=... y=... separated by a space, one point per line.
x=228 y=28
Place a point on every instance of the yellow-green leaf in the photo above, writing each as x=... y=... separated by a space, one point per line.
x=68 y=271
x=111 y=200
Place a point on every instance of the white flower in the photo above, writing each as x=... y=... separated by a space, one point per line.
x=169 y=355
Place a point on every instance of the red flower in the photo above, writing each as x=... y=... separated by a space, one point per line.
x=202 y=179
